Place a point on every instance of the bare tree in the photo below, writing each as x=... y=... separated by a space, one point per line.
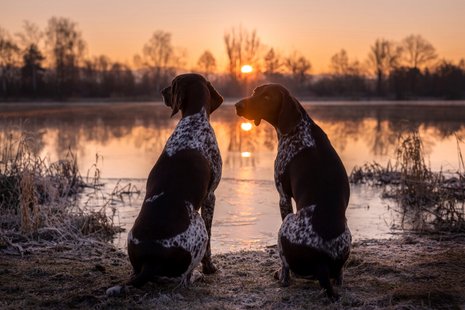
x=31 y=35
x=158 y=56
x=9 y=59
x=418 y=52
x=273 y=62
x=340 y=63
x=66 y=49
x=207 y=63
x=32 y=70
x=30 y=40
x=242 y=47
x=462 y=64
x=298 y=66
x=158 y=50
x=384 y=56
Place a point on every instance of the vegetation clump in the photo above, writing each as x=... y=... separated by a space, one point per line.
x=39 y=199
x=428 y=200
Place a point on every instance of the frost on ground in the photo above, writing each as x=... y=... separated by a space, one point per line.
x=411 y=272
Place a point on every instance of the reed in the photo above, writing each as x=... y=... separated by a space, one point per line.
x=428 y=201
x=39 y=198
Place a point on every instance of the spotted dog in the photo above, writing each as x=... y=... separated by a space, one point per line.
x=315 y=241
x=169 y=237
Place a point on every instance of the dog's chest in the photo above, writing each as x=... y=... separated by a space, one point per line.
x=195 y=132
x=289 y=146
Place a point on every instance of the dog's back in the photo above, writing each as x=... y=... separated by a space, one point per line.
x=169 y=237
x=319 y=178
x=315 y=240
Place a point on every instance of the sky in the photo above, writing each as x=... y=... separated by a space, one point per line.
x=316 y=28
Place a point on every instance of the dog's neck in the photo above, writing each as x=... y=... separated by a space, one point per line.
x=202 y=111
x=291 y=116
x=197 y=100
x=302 y=121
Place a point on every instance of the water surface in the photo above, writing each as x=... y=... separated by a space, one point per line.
x=129 y=137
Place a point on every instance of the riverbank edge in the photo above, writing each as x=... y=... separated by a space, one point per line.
x=413 y=271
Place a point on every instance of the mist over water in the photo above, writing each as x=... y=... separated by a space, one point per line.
x=129 y=137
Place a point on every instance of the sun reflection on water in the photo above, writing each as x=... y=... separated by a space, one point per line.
x=246 y=126
x=247 y=212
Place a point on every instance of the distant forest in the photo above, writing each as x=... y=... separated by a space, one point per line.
x=52 y=63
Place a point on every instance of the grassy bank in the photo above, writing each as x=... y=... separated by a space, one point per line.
x=409 y=273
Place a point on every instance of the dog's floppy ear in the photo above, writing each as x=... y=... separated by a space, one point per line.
x=166 y=95
x=289 y=113
x=177 y=98
x=215 y=98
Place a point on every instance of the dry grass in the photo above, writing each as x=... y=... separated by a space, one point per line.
x=411 y=272
x=429 y=201
x=39 y=199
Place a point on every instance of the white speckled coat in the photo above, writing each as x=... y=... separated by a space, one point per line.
x=193 y=132
x=297 y=228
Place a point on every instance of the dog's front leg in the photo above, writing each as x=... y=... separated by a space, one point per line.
x=285 y=205
x=208 y=208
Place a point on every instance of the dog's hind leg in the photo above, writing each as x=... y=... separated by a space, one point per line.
x=207 y=211
x=283 y=276
x=340 y=278
x=322 y=274
x=285 y=205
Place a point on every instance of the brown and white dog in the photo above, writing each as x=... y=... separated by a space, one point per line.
x=169 y=237
x=315 y=241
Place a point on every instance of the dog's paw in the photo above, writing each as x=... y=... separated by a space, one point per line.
x=284 y=282
x=276 y=274
x=209 y=268
x=333 y=296
x=282 y=277
x=196 y=276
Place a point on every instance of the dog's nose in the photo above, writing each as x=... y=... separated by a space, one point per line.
x=164 y=90
x=240 y=107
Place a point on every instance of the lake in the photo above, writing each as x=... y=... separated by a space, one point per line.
x=125 y=139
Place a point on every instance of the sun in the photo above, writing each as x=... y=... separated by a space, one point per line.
x=246 y=126
x=246 y=69
x=246 y=154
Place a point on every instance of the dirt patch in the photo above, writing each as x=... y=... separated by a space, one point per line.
x=409 y=272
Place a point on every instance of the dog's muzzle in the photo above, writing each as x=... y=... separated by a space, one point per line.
x=240 y=108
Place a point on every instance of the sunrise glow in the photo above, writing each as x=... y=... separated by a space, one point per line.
x=246 y=126
x=316 y=29
x=246 y=69
x=246 y=154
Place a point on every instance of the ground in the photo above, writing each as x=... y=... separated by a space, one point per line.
x=406 y=272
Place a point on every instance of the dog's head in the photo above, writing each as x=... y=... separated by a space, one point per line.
x=273 y=103
x=190 y=88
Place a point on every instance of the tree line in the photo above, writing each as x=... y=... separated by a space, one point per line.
x=53 y=63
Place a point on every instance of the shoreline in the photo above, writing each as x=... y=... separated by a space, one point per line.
x=231 y=101
x=412 y=271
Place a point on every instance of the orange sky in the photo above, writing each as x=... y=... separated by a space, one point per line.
x=316 y=28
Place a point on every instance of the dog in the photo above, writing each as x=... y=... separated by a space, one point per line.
x=169 y=237
x=315 y=241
